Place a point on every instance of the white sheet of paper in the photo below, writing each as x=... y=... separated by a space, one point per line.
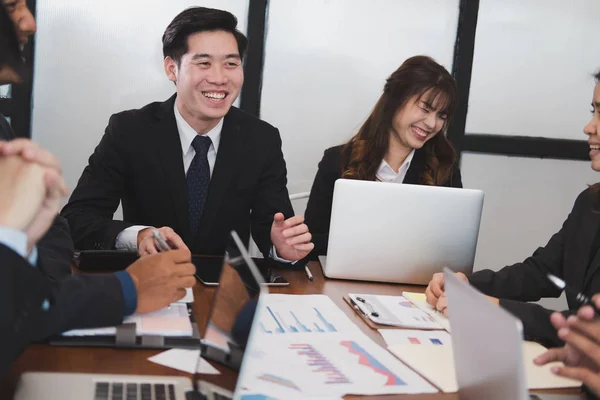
x=436 y=363
x=433 y=362
x=169 y=321
x=332 y=364
x=394 y=311
x=288 y=314
x=415 y=337
x=184 y=360
x=419 y=300
x=189 y=296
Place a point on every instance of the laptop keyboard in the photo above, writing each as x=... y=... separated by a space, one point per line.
x=133 y=391
x=140 y=391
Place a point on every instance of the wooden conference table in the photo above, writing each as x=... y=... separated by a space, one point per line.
x=112 y=361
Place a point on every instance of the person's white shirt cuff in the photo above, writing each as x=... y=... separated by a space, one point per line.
x=275 y=257
x=17 y=242
x=127 y=239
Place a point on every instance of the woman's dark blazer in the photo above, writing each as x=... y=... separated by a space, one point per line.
x=318 y=211
x=571 y=254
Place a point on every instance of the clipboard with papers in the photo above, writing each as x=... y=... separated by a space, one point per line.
x=172 y=326
x=406 y=311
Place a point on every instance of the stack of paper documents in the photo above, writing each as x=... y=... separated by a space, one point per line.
x=170 y=321
x=436 y=363
x=309 y=347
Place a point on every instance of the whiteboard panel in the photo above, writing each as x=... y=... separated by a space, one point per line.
x=94 y=58
x=532 y=67
x=326 y=63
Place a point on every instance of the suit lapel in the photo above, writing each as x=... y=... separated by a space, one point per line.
x=416 y=168
x=165 y=136
x=228 y=157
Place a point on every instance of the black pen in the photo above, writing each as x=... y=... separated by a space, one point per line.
x=580 y=297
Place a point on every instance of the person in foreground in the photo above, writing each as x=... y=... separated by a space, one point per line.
x=581 y=352
x=402 y=141
x=56 y=246
x=33 y=306
x=571 y=254
x=194 y=165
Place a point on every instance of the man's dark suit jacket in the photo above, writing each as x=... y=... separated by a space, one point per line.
x=318 y=210
x=570 y=254
x=75 y=302
x=56 y=247
x=139 y=162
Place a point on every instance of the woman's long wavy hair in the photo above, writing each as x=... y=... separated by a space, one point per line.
x=362 y=155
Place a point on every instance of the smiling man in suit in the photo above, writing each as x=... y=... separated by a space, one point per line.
x=193 y=166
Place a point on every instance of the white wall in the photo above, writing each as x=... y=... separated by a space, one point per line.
x=532 y=67
x=94 y=58
x=326 y=63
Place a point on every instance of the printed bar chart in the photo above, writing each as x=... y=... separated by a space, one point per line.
x=281 y=321
x=320 y=364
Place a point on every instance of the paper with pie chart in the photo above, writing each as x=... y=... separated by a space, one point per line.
x=394 y=311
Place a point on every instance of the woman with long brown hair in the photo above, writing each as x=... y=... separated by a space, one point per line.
x=402 y=141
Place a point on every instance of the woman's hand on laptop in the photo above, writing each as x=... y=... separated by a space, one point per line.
x=435 y=290
x=581 y=352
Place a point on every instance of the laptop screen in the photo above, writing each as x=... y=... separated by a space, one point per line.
x=233 y=307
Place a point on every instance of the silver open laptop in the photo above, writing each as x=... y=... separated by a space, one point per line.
x=487 y=347
x=400 y=233
x=229 y=331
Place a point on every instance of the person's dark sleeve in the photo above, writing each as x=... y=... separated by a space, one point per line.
x=55 y=250
x=23 y=292
x=318 y=209
x=523 y=282
x=129 y=292
x=84 y=301
x=271 y=197
x=95 y=199
x=536 y=321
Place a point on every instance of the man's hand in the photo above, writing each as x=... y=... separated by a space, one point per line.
x=145 y=242
x=30 y=152
x=30 y=196
x=161 y=279
x=22 y=192
x=581 y=353
x=291 y=237
x=38 y=159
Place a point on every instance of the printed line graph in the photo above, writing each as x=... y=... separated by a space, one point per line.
x=366 y=359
